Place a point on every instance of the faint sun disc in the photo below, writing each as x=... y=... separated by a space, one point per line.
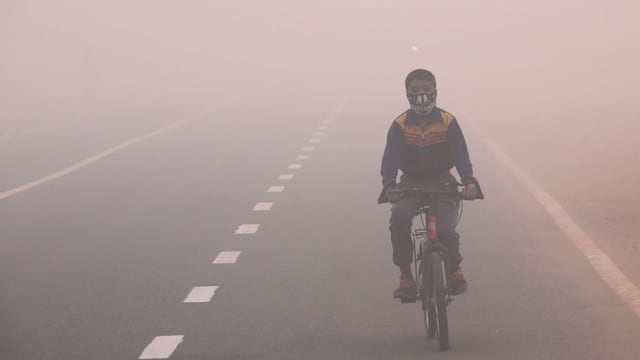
x=414 y=48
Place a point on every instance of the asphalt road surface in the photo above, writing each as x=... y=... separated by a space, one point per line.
x=97 y=264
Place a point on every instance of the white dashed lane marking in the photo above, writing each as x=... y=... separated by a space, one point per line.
x=263 y=206
x=247 y=229
x=161 y=347
x=227 y=257
x=201 y=294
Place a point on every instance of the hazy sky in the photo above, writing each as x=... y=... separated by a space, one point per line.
x=58 y=51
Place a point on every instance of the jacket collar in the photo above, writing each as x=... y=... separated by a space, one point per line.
x=434 y=116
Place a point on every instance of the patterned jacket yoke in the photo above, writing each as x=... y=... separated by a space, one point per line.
x=423 y=152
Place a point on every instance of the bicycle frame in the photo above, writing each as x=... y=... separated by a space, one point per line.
x=432 y=263
x=425 y=241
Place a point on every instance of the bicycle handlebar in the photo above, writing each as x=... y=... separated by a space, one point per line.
x=414 y=190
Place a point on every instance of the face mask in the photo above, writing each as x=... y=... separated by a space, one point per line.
x=422 y=104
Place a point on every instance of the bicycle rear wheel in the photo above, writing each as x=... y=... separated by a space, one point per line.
x=439 y=299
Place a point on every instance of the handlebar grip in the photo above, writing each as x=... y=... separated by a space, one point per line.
x=480 y=195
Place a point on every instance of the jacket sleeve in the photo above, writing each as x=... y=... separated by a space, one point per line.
x=391 y=157
x=459 y=152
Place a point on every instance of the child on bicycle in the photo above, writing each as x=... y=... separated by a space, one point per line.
x=425 y=142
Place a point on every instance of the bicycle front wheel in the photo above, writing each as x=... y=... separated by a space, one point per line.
x=426 y=296
x=439 y=298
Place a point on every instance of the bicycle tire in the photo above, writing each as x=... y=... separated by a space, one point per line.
x=430 y=321
x=428 y=309
x=440 y=299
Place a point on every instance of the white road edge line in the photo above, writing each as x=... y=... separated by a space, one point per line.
x=161 y=347
x=201 y=294
x=603 y=265
x=110 y=151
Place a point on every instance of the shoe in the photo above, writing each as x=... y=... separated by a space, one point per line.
x=458 y=283
x=407 y=289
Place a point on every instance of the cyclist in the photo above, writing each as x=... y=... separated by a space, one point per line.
x=425 y=142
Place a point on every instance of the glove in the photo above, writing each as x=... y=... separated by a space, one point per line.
x=469 y=192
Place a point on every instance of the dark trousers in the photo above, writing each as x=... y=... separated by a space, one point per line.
x=446 y=211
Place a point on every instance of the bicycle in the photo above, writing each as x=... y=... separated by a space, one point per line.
x=432 y=263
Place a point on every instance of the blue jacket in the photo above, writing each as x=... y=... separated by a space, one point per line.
x=425 y=153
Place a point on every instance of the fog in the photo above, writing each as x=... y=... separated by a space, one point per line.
x=70 y=53
x=98 y=257
x=553 y=82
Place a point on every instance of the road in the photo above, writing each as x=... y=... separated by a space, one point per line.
x=98 y=263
